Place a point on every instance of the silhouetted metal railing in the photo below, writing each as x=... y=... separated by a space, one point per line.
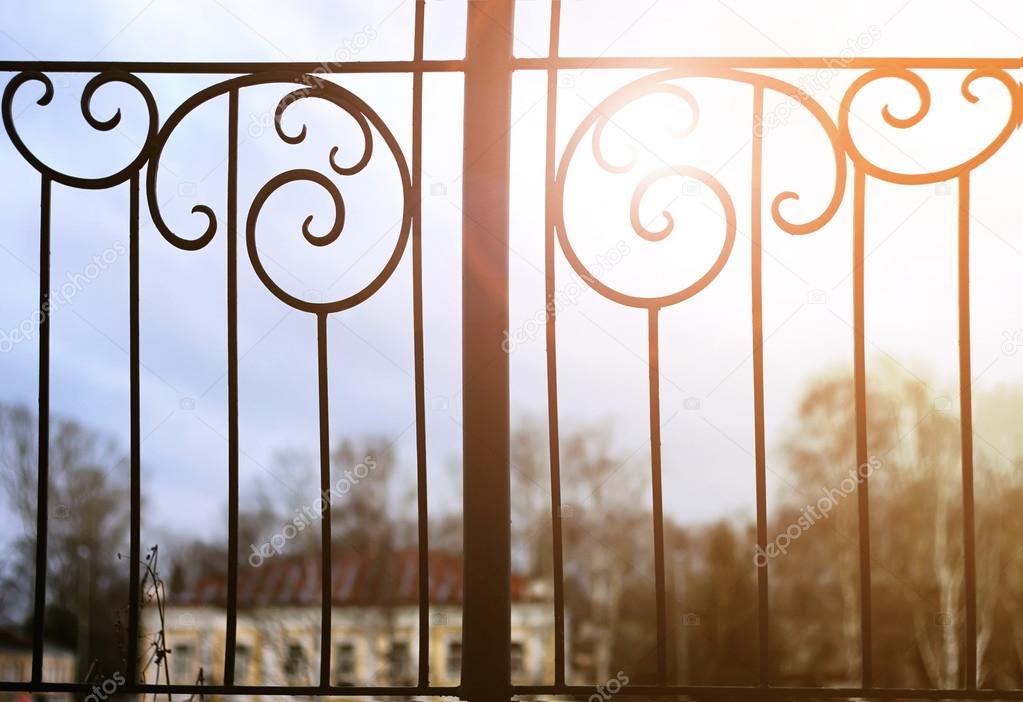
x=306 y=78
x=488 y=69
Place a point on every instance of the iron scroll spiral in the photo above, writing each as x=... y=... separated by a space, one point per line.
x=366 y=119
x=923 y=95
x=94 y=84
x=660 y=83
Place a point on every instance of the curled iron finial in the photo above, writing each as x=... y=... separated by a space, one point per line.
x=325 y=239
x=369 y=122
x=341 y=98
x=595 y=124
x=111 y=75
x=311 y=86
x=923 y=93
x=610 y=107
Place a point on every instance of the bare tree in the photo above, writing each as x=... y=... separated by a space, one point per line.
x=87 y=524
x=604 y=522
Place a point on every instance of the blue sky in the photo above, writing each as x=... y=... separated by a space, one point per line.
x=706 y=341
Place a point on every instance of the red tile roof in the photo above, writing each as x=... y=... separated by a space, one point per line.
x=356 y=578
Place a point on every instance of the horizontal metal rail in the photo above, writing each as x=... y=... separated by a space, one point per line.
x=518 y=63
x=632 y=691
x=234 y=67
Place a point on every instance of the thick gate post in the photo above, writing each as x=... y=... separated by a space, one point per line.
x=486 y=503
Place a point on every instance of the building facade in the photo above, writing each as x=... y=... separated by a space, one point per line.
x=374 y=633
x=59 y=664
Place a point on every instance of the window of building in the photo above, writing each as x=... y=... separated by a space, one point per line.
x=242 y=659
x=401 y=664
x=182 y=658
x=344 y=663
x=518 y=658
x=454 y=661
x=295 y=661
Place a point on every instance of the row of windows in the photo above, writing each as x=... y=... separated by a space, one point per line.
x=296 y=666
x=16 y=664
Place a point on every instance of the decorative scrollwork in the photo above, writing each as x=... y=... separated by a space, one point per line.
x=658 y=83
x=923 y=94
x=341 y=98
x=613 y=106
x=103 y=125
x=312 y=87
x=346 y=163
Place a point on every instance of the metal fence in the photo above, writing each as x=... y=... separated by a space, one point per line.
x=488 y=69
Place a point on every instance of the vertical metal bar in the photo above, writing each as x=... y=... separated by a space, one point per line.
x=135 y=529
x=232 y=388
x=658 y=497
x=420 y=380
x=966 y=428
x=485 y=405
x=860 y=380
x=43 y=459
x=326 y=589
x=553 y=432
x=756 y=209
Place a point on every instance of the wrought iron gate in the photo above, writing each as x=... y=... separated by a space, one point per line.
x=488 y=69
